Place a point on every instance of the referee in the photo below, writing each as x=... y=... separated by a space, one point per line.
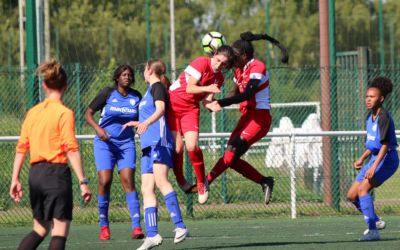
x=48 y=133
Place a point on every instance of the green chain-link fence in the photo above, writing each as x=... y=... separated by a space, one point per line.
x=299 y=169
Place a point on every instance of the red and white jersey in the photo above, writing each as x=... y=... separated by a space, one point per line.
x=254 y=69
x=201 y=70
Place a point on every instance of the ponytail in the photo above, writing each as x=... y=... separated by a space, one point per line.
x=245 y=46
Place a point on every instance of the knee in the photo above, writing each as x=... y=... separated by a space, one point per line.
x=362 y=190
x=238 y=146
x=104 y=183
x=128 y=183
x=351 y=196
x=163 y=185
x=179 y=150
x=192 y=146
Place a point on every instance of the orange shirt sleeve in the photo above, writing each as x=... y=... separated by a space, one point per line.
x=67 y=132
x=23 y=141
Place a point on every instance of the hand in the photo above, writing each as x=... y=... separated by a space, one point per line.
x=130 y=124
x=213 y=106
x=370 y=173
x=358 y=164
x=141 y=128
x=16 y=191
x=86 y=194
x=213 y=88
x=103 y=135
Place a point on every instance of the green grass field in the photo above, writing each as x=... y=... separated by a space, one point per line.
x=268 y=233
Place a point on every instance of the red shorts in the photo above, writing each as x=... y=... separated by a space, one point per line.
x=183 y=118
x=252 y=126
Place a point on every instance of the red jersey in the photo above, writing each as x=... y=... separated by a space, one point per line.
x=254 y=69
x=201 y=70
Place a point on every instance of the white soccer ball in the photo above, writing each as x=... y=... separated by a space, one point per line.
x=212 y=41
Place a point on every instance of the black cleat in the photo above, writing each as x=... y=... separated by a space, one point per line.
x=267 y=185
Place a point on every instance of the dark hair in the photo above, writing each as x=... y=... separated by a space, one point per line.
x=53 y=74
x=227 y=51
x=158 y=66
x=244 y=46
x=384 y=85
x=118 y=71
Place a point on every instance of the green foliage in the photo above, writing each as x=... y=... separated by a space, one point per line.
x=94 y=32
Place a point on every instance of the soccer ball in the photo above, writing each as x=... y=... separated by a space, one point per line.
x=212 y=41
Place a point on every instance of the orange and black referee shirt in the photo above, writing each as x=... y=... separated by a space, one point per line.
x=48 y=132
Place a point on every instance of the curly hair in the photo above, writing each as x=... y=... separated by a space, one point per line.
x=384 y=85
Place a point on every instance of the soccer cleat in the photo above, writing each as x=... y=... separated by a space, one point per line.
x=267 y=184
x=187 y=187
x=104 y=233
x=371 y=235
x=203 y=192
x=380 y=224
x=180 y=234
x=137 y=233
x=151 y=242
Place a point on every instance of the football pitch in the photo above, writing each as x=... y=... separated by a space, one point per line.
x=269 y=233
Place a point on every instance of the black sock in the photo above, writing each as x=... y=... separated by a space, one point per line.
x=31 y=241
x=57 y=243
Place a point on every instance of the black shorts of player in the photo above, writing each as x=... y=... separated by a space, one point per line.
x=50 y=191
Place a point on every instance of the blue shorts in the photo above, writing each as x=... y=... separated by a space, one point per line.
x=107 y=154
x=386 y=168
x=157 y=154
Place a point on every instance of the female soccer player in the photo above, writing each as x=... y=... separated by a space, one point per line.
x=252 y=92
x=114 y=145
x=381 y=145
x=157 y=147
x=48 y=133
x=200 y=81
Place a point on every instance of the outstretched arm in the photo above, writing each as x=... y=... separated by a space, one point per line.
x=249 y=91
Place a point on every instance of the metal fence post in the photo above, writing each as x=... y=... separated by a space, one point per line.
x=293 y=177
x=31 y=52
x=224 y=177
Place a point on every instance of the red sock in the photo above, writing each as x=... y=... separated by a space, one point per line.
x=196 y=157
x=178 y=168
x=247 y=170
x=222 y=164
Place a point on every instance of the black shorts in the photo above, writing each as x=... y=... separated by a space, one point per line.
x=50 y=187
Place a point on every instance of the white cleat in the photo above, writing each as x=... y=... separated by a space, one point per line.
x=180 y=234
x=151 y=242
x=371 y=236
x=203 y=192
x=380 y=224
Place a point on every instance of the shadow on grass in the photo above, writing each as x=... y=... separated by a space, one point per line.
x=271 y=244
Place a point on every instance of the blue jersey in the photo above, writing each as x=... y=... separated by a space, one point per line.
x=380 y=131
x=116 y=110
x=158 y=133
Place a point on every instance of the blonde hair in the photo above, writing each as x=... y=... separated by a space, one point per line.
x=54 y=76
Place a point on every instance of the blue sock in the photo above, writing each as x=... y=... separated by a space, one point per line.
x=150 y=219
x=356 y=203
x=171 y=201
x=367 y=207
x=132 y=199
x=102 y=203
